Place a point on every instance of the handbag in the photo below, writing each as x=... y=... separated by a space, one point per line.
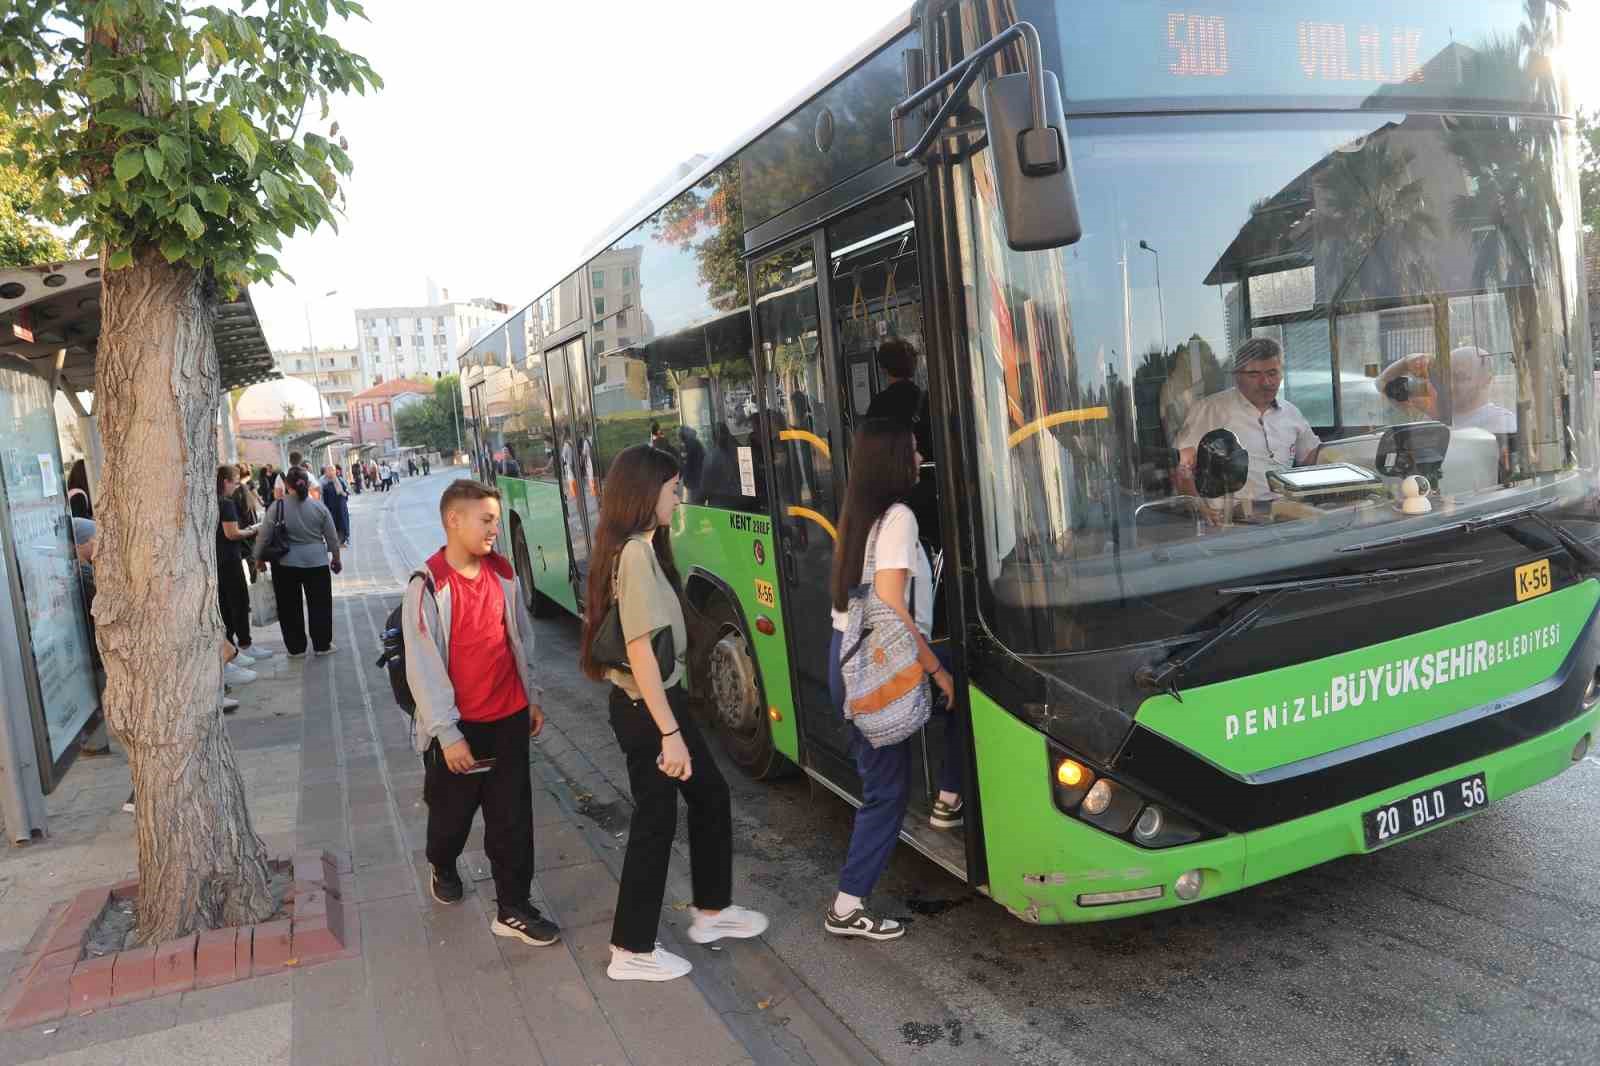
x=263 y=604
x=277 y=536
x=886 y=691
x=609 y=649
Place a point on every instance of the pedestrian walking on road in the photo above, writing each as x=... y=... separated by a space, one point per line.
x=634 y=574
x=306 y=570
x=234 y=535
x=336 y=497
x=469 y=649
x=878 y=544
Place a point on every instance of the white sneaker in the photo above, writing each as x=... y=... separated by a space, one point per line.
x=732 y=921
x=238 y=675
x=229 y=705
x=258 y=653
x=329 y=650
x=659 y=965
x=243 y=658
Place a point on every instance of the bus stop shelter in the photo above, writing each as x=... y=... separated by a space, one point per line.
x=49 y=335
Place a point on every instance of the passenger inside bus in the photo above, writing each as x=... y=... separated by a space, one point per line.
x=1272 y=430
x=903 y=400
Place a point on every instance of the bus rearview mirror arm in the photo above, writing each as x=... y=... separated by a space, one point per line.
x=1027 y=133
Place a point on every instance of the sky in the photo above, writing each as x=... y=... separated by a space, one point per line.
x=504 y=141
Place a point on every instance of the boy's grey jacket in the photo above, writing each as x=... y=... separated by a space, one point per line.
x=425 y=625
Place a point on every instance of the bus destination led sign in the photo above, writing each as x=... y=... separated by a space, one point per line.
x=1197 y=46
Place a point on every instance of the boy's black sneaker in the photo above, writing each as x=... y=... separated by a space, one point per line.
x=522 y=921
x=446 y=885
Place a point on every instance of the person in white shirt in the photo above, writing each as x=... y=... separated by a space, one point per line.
x=1272 y=431
x=1470 y=377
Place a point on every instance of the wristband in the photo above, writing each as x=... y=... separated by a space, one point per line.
x=675 y=732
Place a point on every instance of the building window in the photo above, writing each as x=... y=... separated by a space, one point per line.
x=597 y=278
x=439 y=342
x=372 y=345
x=599 y=307
x=383 y=413
x=623 y=342
x=627 y=277
x=622 y=318
x=394 y=344
x=416 y=340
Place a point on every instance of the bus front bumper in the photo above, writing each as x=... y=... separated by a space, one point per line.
x=1070 y=866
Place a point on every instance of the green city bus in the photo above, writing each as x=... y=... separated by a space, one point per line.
x=1173 y=687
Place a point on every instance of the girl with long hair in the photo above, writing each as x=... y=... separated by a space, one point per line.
x=234 y=533
x=306 y=569
x=632 y=568
x=884 y=464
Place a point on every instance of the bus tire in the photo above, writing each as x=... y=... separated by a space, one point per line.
x=733 y=693
x=532 y=599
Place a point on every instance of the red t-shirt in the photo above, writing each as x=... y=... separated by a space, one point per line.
x=482 y=669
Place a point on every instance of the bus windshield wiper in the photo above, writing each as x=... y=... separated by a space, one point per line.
x=1465 y=525
x=1257 y=600
x=1581 y=552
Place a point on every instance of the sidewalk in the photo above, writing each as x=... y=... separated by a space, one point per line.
x=327 y=764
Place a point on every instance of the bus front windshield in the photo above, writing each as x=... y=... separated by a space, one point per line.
x=1382 y=268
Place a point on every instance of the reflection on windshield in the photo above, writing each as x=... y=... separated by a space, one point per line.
x=1304 y=282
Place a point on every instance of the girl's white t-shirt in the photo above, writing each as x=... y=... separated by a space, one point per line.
x=900 y=548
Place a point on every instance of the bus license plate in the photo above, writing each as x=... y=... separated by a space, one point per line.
x=1426 y=808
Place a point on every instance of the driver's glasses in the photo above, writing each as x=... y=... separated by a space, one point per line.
x=1261 y=375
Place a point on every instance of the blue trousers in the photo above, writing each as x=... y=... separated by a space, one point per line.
x=885 y=788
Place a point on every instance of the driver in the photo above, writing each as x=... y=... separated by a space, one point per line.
x=1471 y=375
x=1273 y=431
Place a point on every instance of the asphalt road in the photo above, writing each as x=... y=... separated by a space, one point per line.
x=1477 y=943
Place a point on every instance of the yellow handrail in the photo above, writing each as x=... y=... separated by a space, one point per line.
x=806 y=512
x=810 y=438
x=1080 y=414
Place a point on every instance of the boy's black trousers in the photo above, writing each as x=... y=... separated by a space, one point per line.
x=506 y=795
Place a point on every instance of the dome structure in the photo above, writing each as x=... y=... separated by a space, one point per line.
x=269 y=402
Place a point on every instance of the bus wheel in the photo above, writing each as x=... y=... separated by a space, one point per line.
x=533 y=599
x=736 y=698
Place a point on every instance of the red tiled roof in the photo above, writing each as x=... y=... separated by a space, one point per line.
x=395 y=388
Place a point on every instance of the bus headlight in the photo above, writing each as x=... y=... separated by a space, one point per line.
x=1110 y=806
x=1158 y=827
x=1072 y=781
x=1113 y=807
x=1099 y=798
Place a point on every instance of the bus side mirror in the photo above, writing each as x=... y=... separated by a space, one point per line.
x=1033 y=169
x=1221 y=465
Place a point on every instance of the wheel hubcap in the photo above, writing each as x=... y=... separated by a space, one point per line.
x=733 y=684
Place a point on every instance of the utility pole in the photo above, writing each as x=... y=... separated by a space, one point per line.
x=316 y=369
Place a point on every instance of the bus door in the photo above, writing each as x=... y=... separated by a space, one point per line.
x=481 y=457
x=566 y=373
x=794 y=424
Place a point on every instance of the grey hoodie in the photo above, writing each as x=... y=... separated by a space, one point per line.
x=425 y=625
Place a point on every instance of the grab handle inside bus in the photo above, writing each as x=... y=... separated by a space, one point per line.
x=1027 y=132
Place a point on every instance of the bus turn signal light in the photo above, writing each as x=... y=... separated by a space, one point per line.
x=765 y=627
x=1071 y=773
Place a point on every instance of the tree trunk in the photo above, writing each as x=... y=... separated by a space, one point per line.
x=201 y=864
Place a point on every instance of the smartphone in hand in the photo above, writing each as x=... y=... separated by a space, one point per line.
x=482 y=766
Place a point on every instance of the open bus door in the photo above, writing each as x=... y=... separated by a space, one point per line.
x=817 y=345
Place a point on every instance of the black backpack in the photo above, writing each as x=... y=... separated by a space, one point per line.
x=394 y=650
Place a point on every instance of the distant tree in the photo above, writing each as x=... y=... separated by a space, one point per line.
x=431 y=422
x=172 y=134
x=23 y=241
x=1589 y=170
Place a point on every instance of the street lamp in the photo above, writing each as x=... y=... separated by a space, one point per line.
x=1160 y=300
x=316 y=370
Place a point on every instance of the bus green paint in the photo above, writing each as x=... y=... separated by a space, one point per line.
x=536 y=506
x=1039 y=873
x=723 y=543
x=1271 y=719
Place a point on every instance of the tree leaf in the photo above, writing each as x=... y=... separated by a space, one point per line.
x=153 y=162
x=128 y=163
x=100 y=88
x=189 y=219
x=173 y=248
x=214 y=198
x=122 y=119
x=120 y=258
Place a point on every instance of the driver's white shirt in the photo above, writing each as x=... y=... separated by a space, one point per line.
x=1490 y=416
x=1276 y=439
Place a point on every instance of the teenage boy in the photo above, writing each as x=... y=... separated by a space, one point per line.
x=469 y=661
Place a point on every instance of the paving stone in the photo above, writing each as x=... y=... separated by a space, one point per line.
x=558 y=845
x=579 y=895
x=560 y=1008
x=216 y=960
x=90 y=985
x=383 y=882
x=223 y=1000
x=333 y=1020
x=480 y=994
x=134 y=977
x=405 y=990
x=43 y=998
x=659 y=1024
x=271 y=947
x=374 y=846
x=175 y=965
